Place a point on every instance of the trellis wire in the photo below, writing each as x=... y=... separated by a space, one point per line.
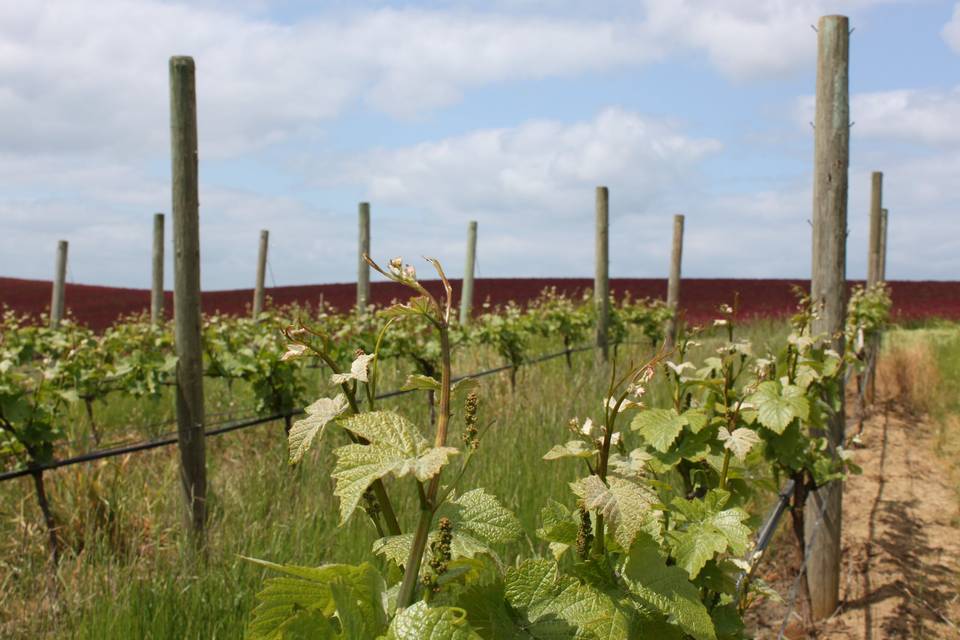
x=241 y=424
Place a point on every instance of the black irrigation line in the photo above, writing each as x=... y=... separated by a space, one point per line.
x=770 y=525
x=120 y=441
x=765 y=535
x=227 y=427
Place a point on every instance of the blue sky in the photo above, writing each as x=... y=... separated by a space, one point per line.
x=509 y=113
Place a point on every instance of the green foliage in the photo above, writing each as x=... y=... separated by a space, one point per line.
x=319 y=415
x=507 y=330
x=420 y=621
x=331 y=601
x=393 y=446
x=778 y=405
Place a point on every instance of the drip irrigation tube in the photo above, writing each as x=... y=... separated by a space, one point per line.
x=235 y=425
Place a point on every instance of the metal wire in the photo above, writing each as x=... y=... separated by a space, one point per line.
x=227 y=427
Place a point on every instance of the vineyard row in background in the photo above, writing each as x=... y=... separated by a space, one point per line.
x=98 y=306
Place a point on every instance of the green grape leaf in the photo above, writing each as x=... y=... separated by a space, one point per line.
x=659 y=427
x=319 y=415
x=667 y=589
x=489 y=615
x=358 y=370
x=418 y=381
x=705 y=528
x=739 y=442
x=559 y=528
x=396 y=447
x=627 y=506
x=419 y=305
x=697 y=544
x=806 y=375
x=304 y=598
x=361 y=614
x=632 y=466
x=555 y=607
x=479 y=522
x=481 y=515
x=421 y=622
x=695 y=418
x=462 y=388
x=778 y=405
x=727 y=621
x=572 y=449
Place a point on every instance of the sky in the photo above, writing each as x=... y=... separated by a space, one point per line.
x=438 y=113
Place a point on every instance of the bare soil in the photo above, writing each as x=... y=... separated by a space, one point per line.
x=900 y=576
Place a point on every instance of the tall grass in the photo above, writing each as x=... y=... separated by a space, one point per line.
x=126 y=573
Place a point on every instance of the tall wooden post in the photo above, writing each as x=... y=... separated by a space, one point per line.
x=466 y=295
x=601 y=279
x=59 y=285
x=883 y=244
x=258 y=290
x=186 y=291
x=876 y=209
x=363 y=269
x=828 y=287
x=673 y=283
x=156 y=283
x=873 y=275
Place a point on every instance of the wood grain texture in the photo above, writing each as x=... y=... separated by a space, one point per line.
x=828 y=285
x=186 y=291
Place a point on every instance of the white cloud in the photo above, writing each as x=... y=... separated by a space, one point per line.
x=77 y=77
x=746 y=39
x=541 y=165
x=531 y=188
x=84 y=76
x=951 y=30
x=915 y=115
x=918 y=116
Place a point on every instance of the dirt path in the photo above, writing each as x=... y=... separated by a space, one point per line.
x=900 y=576
x=901 y=543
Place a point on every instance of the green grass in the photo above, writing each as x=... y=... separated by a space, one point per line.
x=128 y=573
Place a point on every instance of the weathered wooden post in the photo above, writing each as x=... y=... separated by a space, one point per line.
x=186 y=291
x=258 y=290
x=466 y=294
x=59 y=285
x=876 y=212
x=873 y=277
x=883 y=245
x=363 y=269
x=156 y=283
x=828 y=287
x=601 y=279
x=673 y=283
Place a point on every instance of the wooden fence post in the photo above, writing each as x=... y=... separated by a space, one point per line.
x=883 y=245
x=873 y=276
x=828 y=287
x=363 y=269
x=186 y=291
x=876 y=208
x=601 y=279
x=258 y=290
x=466 y=293
x=156 y=283
x=59 y=285
x=673 y=283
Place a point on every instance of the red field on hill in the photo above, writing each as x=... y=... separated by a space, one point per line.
x=99 y=306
